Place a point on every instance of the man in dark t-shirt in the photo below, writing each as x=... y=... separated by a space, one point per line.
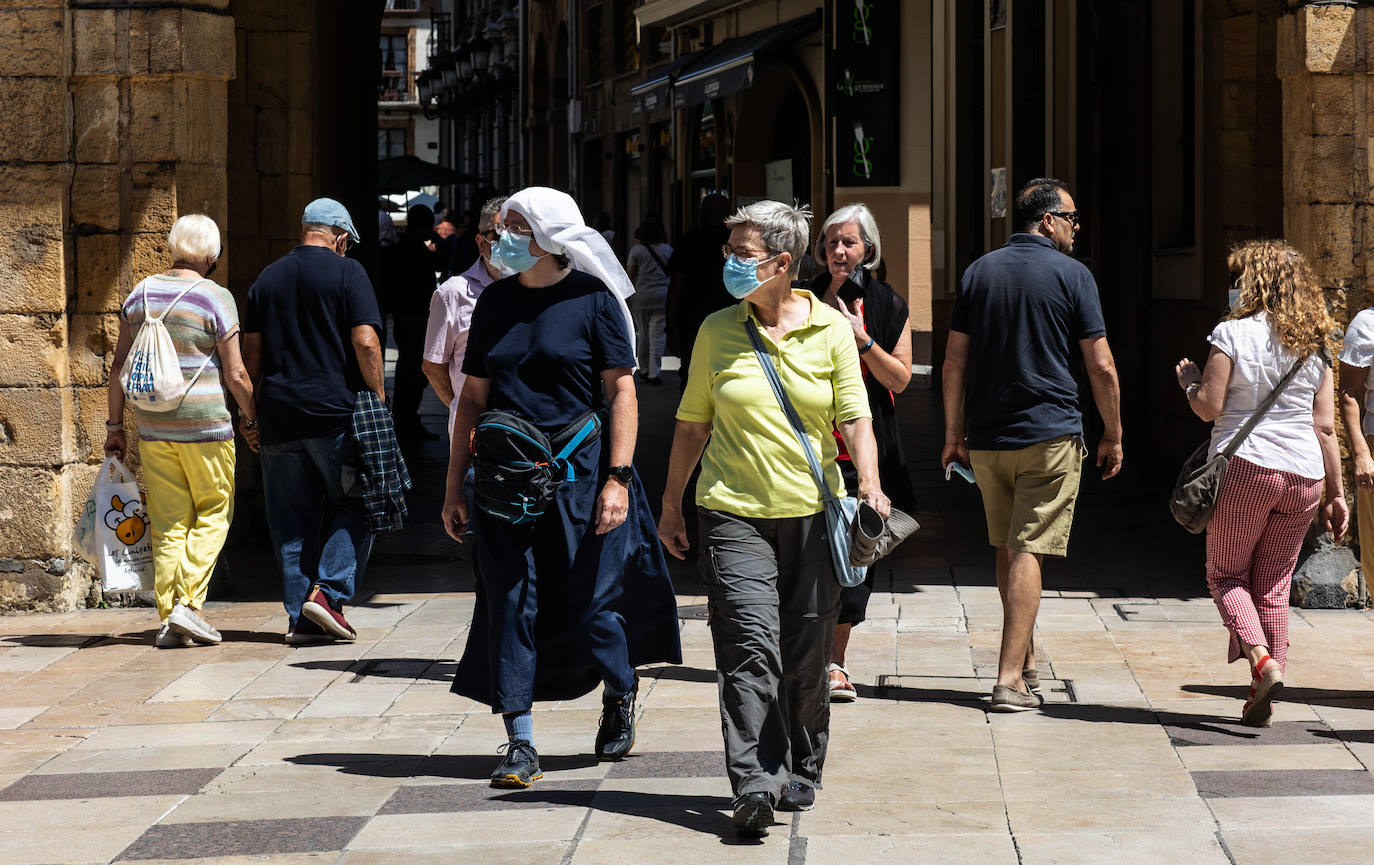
x=1024 y=316
x=311 y=341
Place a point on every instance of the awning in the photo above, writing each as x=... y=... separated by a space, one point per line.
x=729 y=67
x=653 y=93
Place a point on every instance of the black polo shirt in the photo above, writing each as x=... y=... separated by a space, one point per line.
x=1025 y=307
x=305 y=305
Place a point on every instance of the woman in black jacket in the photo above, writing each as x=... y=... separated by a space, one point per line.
x=850 y=248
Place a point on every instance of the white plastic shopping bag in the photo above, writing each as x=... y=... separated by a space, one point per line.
x=123 y=546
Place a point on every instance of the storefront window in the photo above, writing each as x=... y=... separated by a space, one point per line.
x=391 y=142
x=393 y=83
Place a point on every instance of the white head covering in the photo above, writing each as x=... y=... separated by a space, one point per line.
x=558 y=227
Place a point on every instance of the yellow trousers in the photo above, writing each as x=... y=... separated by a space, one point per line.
x=190 y=507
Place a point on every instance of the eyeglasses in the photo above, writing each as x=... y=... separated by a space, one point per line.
x=744 y=254
x=523 y=232
x=1069 y=216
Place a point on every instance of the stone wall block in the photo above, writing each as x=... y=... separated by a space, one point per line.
x=94 y=37
x=275 y=16
x=207 y=126
x=98 y=274
x=273 y=220
x=1332 y=240
x=147 y=254
x=1333 y=104
x=268 y=78
x=31 y=42
x=95 y=118
x=1332 y=173
x=1238 y=58
x=92 y=405
x=242 y=137
x=152 y=199
x=1236 y=105
x=238 y=84
x=299 y=64
x=156 y=108
x=274 y=133
x=243 y=211
x=1328 y=34
x=32 y=276
x=37 y=426
x=202 y=189
x=95 y=197
x=37 y=131
x=301 y=156
x=91 y=340
x=207 y=44
x=155 y=37
x=250 y=255
x=32 y=350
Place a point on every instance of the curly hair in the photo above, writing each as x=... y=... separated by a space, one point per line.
x=1274 y=278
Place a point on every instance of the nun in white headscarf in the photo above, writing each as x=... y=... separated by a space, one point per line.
x=581 y=596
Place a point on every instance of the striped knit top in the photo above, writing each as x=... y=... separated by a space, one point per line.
x=206 y=315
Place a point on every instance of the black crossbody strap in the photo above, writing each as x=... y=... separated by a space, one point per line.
x=1258 y=415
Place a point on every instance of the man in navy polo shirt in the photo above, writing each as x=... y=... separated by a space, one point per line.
x=310 y=342
x=1023 y=317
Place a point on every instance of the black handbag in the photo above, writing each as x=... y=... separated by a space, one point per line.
x=1199 y=483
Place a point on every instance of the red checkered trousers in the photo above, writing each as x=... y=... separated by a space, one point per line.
x=1252 y=545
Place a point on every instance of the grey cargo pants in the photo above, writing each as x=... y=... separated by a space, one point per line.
x=773 y=599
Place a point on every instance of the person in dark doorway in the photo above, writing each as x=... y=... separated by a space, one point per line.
x=415 y=262
x=765 y=559
x=695 y=288
x=1022 y=317
x=647 y=267
x=850 y=247
x=311 y=342
x=580 y=596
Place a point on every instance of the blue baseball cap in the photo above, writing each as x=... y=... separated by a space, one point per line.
x=327 y=211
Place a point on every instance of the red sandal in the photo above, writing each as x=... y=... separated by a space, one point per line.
x=1259 y=709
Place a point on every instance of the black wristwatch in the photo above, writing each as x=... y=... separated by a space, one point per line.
x=624 y=474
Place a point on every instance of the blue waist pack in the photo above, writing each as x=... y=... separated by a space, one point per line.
x=518 y=468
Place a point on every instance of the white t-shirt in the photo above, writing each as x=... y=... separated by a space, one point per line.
x=1358 y=350
x=651 y=282
x=450 y=318
x=1285 y=439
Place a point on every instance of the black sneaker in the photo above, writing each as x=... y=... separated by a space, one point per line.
x=797 y=796
x=616 y=734
x=519 y=767
x=753 y=814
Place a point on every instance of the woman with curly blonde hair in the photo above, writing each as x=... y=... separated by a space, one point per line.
x=1278 y=324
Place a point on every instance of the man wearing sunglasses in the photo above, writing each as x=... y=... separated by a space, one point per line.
x=1025 y=318
x=450 y=313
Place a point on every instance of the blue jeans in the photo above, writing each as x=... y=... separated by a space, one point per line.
x=318 y=521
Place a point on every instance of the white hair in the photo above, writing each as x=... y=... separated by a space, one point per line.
x=783 y=227
x=194 y=237
x=859 y=214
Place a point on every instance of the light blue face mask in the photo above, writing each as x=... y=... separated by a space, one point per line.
x=741 y=275
x=1232 y=297
x=512 y=250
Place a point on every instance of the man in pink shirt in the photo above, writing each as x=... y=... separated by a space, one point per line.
x=450 y=314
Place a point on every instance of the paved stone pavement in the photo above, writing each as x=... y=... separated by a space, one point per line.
x=252 y=751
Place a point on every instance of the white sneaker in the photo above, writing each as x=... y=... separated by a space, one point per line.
x=186 y=621
x=169 y=639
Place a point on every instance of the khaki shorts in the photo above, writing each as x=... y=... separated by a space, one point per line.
x=1029 y=494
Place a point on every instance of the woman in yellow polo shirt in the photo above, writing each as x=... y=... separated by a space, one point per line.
x=765 y=559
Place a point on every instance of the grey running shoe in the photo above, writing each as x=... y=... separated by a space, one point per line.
x=188 y=622
x=1005 y=699
x=519 y=766
x=797 y=796
x=753 y=814
x=169 y=639
x=1032 y=679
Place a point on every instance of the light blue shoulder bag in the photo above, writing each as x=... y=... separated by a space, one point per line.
x=839 y=512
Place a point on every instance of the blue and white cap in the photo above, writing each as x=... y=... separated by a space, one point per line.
x=327 y=211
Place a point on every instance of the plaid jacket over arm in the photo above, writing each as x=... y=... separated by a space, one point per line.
x=384 y=474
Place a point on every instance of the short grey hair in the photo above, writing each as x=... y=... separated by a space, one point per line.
x=487 y=218
x=194 y=237
x=783 y=227
x=859 y=214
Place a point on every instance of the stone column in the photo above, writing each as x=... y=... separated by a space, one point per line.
x=124 y=128
x=1324 y=64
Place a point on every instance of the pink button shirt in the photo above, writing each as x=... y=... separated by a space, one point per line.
x=450 y=316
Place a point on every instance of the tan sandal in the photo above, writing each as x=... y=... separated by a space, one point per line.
x=841 y=691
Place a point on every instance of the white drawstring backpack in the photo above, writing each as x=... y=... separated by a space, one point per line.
x=152 y=377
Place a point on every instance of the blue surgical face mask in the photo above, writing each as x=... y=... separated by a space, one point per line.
x=741 y=275
x=1233 y=297
x=513 y=251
